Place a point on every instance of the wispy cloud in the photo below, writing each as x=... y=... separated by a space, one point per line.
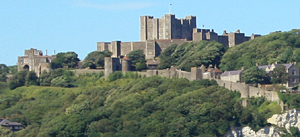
x=112 y=6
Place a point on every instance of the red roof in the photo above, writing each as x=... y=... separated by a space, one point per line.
x=126 y=58
x=153 y=62
x=213 y=70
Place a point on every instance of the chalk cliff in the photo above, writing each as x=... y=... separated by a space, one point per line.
x=286 y=120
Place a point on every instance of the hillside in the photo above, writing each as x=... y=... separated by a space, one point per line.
x=283 y=47
x=192 y=54
x=152 y=106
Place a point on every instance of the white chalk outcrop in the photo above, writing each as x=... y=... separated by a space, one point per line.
x=287 y=120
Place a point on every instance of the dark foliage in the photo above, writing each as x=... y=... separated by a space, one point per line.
x=95 y=59
x=23 y=78
x=192 y=54
x=69 y=60
x=255 y=76
x=137 y=59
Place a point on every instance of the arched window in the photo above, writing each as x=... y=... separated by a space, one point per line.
x=26 y=67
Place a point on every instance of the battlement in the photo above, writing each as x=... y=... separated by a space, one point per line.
x=33 y=51
x=190 y=17
x=227 y=39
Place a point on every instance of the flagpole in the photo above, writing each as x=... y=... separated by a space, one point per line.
x=170 y=8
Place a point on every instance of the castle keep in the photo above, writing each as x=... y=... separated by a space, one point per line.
x=156 y=34
x=167 y=27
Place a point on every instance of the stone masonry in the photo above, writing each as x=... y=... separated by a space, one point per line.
x=157 y=34
x=167 y=27
x=34 y=60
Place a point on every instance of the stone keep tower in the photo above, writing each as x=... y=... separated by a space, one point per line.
x=167 y=27
x=34 y=60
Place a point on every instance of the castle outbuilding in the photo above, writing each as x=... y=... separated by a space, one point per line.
x=34 y=60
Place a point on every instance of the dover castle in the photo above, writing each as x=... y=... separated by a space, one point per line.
x=156 y=34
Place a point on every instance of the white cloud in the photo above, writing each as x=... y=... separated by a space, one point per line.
x=112 y=6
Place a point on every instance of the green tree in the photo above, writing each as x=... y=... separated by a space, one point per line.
x=137 y=59
x=166 y=57
x=23 y=78
x=96 y=59
x=4 y=69
x=18 y=79
x=141 y=66
x=62 y=81
x=31 y=78
x=46 y=78
x=192 y=54
x=3 y=78
x=13 y=69
x=279 y=75
x=69 y=60
x=114 y=76
x=4 y=132
x=253 y=75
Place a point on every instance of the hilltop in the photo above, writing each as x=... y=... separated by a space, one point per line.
x=281 y=47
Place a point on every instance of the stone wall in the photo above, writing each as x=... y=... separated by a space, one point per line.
x=245 y=90
x=249 y=91
x=34 y=60
x=151 y=48
x=85 y=71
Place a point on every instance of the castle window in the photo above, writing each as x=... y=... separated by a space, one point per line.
x=293 y=72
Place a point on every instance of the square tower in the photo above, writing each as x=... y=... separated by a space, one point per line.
x=167 y=27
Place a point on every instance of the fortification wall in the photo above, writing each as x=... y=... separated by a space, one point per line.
x=223 y=40
x=258 y=92
x=247 y=91
x=138 y=45
x=126 y=47
x=85 y=71
x=101 y=46
x=255 y=92
x=184 y=74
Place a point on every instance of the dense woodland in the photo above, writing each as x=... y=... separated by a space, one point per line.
x=192 y=54
x=152 y=106
x=58 y=103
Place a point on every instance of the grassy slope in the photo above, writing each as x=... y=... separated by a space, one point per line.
x=145 y=107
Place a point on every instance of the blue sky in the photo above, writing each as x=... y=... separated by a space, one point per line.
x=77 y=25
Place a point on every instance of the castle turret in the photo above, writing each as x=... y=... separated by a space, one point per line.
x=196 y=73
x=125 y=64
